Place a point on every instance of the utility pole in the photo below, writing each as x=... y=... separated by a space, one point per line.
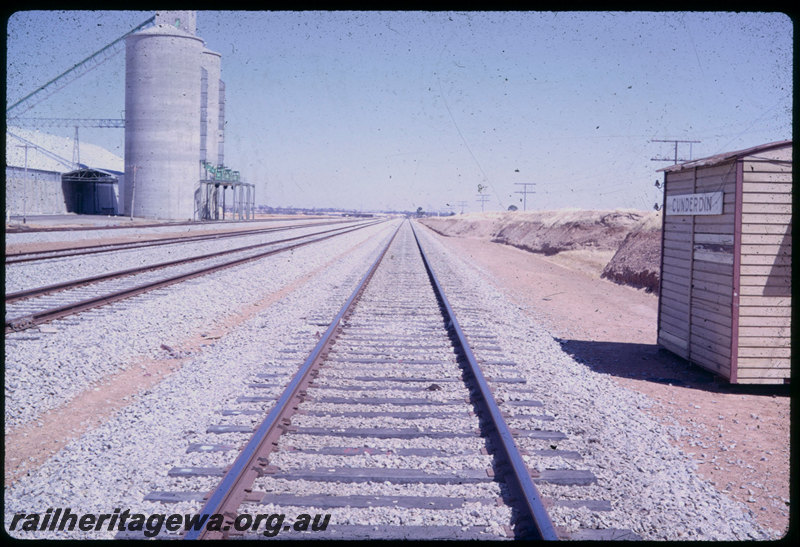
x=76 y=150
x=25 y=183
x=461 y=204
x=133 y=189
x=483 y=198
x=524 y=192
x=674 y=159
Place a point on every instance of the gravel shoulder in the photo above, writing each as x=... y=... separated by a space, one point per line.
x=737 y=435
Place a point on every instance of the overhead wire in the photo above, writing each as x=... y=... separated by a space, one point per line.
x=464 y=140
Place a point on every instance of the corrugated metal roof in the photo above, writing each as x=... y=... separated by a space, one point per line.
x=726 y=156
x=54 y=153
x=93 y=175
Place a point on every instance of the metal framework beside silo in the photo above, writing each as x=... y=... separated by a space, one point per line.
x=211 y=195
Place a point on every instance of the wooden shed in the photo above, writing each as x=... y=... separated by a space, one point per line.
x=726 y=263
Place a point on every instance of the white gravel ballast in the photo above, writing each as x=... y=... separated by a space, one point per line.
x=652 y=486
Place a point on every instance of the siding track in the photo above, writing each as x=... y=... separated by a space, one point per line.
x=80 y=250
x=28 y=308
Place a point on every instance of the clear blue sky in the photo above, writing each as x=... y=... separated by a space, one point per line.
x=401 y=110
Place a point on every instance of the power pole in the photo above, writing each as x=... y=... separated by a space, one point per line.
x=674 y=159
x=25 y=183
x=133 y=189
x=483 y=198
x=461 y=204
x=76 y=150
x=524 y=192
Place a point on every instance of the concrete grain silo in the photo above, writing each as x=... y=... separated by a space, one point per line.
x=162 y=122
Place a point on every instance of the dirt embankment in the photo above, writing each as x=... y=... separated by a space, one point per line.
x=637 y=261
x=633 y=236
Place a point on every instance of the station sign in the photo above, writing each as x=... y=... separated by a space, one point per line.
x=695 y=204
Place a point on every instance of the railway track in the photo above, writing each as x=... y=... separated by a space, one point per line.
x=389 y=425
x=25 y=229
x=80 y=250
x=31 y=307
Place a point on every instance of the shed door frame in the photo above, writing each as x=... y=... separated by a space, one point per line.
x=737 y=267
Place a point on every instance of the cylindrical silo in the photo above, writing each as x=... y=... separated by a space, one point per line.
x=210 y=65
x=162 y=133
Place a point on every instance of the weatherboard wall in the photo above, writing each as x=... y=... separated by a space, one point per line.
x=725 y=278
x=765 y=300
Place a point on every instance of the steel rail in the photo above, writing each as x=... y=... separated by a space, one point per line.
x=534 y=505
x=252 y=461
x=38 y=291
x=154 y=242
x=28 y=321
x=25 y=229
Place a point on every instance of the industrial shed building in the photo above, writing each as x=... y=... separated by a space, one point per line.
x=42 y=180
x=726 y=258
